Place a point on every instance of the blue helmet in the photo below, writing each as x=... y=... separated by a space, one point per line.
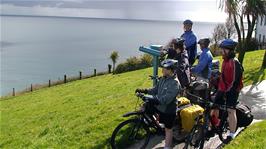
x=205 y=41
x=188 y=22
x=169 y=64
x=228 y=44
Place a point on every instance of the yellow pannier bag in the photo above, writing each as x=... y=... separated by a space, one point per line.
x=188 y=116
x=181 y=101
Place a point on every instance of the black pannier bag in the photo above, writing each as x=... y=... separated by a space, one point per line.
x=244 y=115
x=199 y=88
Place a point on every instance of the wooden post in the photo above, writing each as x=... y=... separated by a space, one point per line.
x=80 y=75
x=65 y=79
x=95 y=73
x=31 y=88
x=109 y=68
x=14 y=92
x=49 y=84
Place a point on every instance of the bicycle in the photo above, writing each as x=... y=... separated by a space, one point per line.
x=199 y=133
x=137 y=129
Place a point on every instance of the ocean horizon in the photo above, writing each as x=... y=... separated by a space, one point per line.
x=36 y=49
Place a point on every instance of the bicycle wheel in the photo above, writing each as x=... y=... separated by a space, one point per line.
x=130 y=132
x=195 y=140
x=223 y=130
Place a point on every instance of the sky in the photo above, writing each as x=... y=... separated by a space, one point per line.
x=173 y=10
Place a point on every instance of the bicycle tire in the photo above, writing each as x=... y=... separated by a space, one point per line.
x=189 y=143
x=122 y=143
x=223 y=131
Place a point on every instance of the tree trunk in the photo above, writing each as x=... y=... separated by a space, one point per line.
x=238 y=33
x=247 y=40
x=243 y=47
x=242 y=26
x=263 y=66
x=113 y=67
x=251 y=26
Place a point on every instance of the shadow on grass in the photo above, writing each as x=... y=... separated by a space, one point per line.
x=254 y=76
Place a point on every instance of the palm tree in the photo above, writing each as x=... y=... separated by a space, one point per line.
x=241 y=11
x=114 y=56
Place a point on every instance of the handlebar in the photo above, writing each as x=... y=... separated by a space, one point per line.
x=140 y=95
x=154 y=77
x=147 y=98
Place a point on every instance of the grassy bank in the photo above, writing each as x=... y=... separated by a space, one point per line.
x=82 y=114
x=254 y=137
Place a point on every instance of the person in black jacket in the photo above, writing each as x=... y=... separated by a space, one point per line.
x=179 y=53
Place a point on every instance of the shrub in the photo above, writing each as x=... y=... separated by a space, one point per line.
x=253 y=45
x=215 y=50
x=134 y=63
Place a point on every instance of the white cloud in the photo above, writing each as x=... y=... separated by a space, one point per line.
x=137 y=11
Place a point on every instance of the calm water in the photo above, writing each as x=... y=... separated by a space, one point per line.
x=36 y=49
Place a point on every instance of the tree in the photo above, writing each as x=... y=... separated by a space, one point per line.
x=230 y=28
x=241 y=11
x=114 y=56
x=219 y=33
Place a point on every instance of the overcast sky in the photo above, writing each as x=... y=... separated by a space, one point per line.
x=196 y=10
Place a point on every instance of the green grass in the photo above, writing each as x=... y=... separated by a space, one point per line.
x=254 y=137
x=252 y=65
x=81 y=114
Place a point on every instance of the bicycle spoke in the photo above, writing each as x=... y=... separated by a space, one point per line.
x=128 y=133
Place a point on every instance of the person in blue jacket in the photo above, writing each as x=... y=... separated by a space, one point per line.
x=203 y=68
x=190 y=41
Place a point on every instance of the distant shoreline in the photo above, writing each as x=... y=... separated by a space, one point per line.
x=96 y=18
x=39 y=48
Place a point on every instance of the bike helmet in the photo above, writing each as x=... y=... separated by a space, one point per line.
x=228 y=44
x=205 y=41
x=180 y=40
x=178 y=43
x=188 y=22
x=169 y=64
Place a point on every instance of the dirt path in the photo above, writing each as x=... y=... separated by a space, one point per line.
x=253 y=95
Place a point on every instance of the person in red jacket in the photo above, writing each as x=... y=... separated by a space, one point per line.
x=230 y=84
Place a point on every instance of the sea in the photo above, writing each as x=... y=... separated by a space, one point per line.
x=37 y=49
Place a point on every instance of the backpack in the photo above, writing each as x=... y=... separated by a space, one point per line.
x=239 y=70
x=244 y=115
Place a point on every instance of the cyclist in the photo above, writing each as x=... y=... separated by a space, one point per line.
x=164 y=98
x=203 y=68
x=178 y=52
x=190 y=41
x=230 y=84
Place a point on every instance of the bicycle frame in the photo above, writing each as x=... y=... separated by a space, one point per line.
x=148 y=119
x=208 y=106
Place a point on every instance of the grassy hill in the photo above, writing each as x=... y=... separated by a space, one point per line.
x=253 y=137
x=82 y=114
